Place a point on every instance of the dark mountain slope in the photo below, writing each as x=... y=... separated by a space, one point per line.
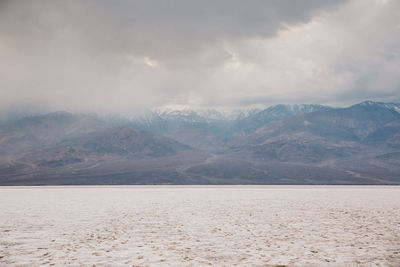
x=388 y=136
x=210 y=130
x=125 y=141
x=61 y=145
x=320 y=135
x=274 y=113
x=38 y=132
x=355 y=145
x=111 y=143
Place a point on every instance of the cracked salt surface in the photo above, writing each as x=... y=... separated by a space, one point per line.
x=200 y=226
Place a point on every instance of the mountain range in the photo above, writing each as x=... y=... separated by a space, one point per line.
x=282 y=144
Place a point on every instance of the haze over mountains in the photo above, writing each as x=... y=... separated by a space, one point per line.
x=283 y=144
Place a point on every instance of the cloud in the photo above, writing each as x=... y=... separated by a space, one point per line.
x=123 y=55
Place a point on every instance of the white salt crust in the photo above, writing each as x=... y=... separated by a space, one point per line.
x=200 y=226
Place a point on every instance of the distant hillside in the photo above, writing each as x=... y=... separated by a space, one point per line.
x=275 y=113
x=207 y=129
x=283 y=144
x=38 y=132
x=319 y=135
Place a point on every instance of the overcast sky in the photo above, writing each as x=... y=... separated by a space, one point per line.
x=124 y=55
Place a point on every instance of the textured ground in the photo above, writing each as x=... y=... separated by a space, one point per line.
x=200 y=226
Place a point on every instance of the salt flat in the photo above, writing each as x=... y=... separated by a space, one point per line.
x=200 y=226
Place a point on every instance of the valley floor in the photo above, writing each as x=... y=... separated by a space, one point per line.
x=200 y=226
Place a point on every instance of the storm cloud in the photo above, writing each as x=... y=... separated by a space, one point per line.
x=124 y=55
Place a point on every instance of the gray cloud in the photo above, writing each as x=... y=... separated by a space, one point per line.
x=122 y=55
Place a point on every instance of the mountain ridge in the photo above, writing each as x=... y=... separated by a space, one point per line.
x=298 y=144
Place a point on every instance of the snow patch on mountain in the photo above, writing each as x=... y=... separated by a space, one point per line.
x=391 y=106
x=203 y=114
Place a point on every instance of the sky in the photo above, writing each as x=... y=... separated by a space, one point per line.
x=123 y=55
